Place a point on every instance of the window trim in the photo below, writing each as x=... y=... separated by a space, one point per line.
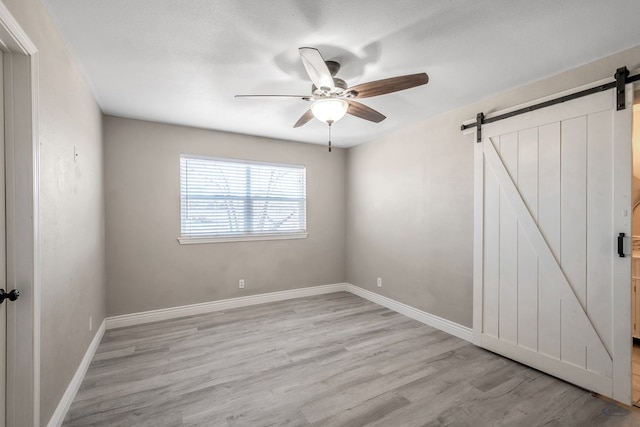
x=243 y=238
x=247 y=237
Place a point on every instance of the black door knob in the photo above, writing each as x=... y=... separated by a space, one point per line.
x=11 y=296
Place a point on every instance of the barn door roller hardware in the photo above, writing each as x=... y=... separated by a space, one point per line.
x=621 y=80
x=621 y=77
x=479 y=121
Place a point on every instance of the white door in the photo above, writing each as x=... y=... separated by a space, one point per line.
x=552 y=191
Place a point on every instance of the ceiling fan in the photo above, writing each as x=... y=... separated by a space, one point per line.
x=331 y=97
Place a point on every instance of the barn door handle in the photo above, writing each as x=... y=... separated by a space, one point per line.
x=621 y=245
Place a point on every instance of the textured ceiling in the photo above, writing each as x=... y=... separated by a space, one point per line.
x=182 y=61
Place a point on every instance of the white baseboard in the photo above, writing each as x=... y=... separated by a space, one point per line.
x=189 y=310
x=445 y=325
x=227 y=304
x=72 y=389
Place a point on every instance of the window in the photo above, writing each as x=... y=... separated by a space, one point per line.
x=224 y=199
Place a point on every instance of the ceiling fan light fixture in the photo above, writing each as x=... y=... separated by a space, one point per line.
x=329 y=110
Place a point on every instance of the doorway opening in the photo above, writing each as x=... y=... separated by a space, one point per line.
x=635 y=263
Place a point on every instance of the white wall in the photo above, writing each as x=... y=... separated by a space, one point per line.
x=410 y=201
x=71 y=206
x=146 y=266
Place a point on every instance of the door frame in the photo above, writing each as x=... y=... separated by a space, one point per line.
x=621 y=299
x=23 y=262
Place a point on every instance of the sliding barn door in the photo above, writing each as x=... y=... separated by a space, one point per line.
x=552 y=191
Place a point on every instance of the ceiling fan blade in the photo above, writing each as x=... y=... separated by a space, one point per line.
x=316 y=68
x=360 y=110
x=304 y=119
x=302 y=97
x=393 y=84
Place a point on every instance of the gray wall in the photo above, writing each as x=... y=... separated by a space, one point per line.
x=410 y=201
x=146 y=266
x=71 y=206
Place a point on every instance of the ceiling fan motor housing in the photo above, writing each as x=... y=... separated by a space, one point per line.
x=340 y=86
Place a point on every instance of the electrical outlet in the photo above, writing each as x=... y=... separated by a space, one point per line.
x=241 y=284
x=90 y=323
x=379 y=283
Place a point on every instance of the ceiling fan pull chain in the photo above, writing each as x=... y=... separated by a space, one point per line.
x=330 y=123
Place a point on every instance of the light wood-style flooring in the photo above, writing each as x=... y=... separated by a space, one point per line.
x=330 y=360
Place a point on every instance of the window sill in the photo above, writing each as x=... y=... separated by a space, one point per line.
x=245 y=238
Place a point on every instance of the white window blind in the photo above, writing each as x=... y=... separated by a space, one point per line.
x=228 y=198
